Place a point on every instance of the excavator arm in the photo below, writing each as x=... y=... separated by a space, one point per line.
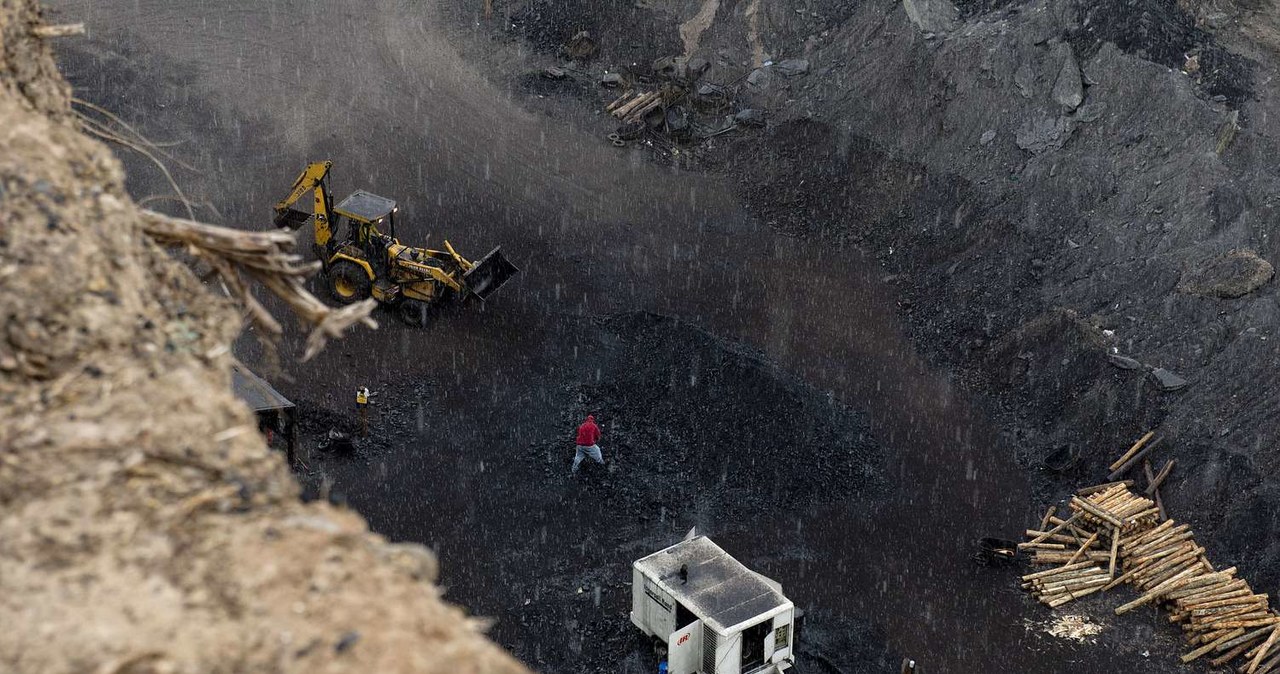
x=312 y=179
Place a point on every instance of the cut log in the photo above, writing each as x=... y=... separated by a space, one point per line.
x=1065 y=523
x=1103 y=487
x=1097 y=512
x=1061 y=569
x=1155 y=593
x=1137 y=446
x=1115 y=547
x=1159 y=478
x=1044 y=522
x=1124 y=468
x=1083 y=547
x=1207 y=648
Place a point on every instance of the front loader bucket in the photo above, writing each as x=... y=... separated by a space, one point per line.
x=292 y=219
x=489 y=274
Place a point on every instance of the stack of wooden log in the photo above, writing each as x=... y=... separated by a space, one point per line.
x=1115 y=535
x=631 y=106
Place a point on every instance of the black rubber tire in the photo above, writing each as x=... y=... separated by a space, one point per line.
x=414 y=313
x=348 y=282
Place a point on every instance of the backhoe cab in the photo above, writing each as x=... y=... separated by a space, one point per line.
x=370 y=262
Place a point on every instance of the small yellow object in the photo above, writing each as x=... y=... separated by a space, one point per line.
x=362 y=398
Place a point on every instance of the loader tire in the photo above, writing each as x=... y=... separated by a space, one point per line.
x=414 y=314
x=348 y=282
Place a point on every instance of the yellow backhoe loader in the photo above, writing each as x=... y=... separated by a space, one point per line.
x=371 y=263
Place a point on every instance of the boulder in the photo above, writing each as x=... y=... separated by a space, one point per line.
x=1044 y=134
x=1068 y=88
x=1167 y=380
x=932 y=16
x=1233 y=274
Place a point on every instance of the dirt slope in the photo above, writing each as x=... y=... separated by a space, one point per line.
x=144 y=527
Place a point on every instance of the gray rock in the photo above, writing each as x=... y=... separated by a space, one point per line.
x=987 y=136
x=750 y=117
x=1044 y=134
x=1090 y=112
x=709 y=89
x=932 y=16
x=1168 y=381
x=792 y=67
x=1227 y=203
x=1068 y=89
x=612 y=80
x=1123 y=362
x=1025 y=78
x=758 y=79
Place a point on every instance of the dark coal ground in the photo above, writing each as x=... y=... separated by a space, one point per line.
x=815 y=451
x=695 y=435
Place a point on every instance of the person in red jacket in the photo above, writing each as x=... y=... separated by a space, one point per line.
x=588 y=436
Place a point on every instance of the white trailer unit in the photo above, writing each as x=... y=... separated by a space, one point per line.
x=715 y=615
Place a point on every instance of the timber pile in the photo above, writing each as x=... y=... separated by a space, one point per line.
x=1112 y=528
x=632 y=107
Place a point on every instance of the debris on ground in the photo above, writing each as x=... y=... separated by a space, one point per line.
x=1074 y=627
x=1168 y=380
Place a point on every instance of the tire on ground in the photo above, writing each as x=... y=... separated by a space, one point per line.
x=348 y=282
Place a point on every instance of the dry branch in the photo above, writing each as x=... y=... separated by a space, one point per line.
x=266 y=258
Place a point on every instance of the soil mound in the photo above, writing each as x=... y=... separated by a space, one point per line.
x=146 y=527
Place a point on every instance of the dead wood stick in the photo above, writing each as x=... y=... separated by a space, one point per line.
x=1246 y=638
x=1072 y=596
x=1115 y=547
x=1162 y=552
x=1055 y=538
x=626 y=110
x=617 y=101
x=1132 y=450
x=1272 y=662
x=1065 y=523
x=1060 y=569
x=1096 y=511
x=1156 y=592
x=1061 y=557
x=637 y=115
x=1205 y=649
x=1262 y=652
x=1103 y=487
x=1232 y=654
x=1082 y=581
x=1087 y=543
x=1044 y=522
x=1153 y=489
x=1159 y=544
x=1182 y=557
x=1155 y=483
x=1238 y=597
x=1188 y=603
x=1208 y=589
x=64 y=30
x=1255 y=622
x=1168 y=574
x=1138 y=539
x=1124 y=468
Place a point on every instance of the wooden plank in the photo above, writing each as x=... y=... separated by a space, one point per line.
x=1103 y=487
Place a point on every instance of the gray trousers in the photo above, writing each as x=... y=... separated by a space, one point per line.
x=584 y=451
